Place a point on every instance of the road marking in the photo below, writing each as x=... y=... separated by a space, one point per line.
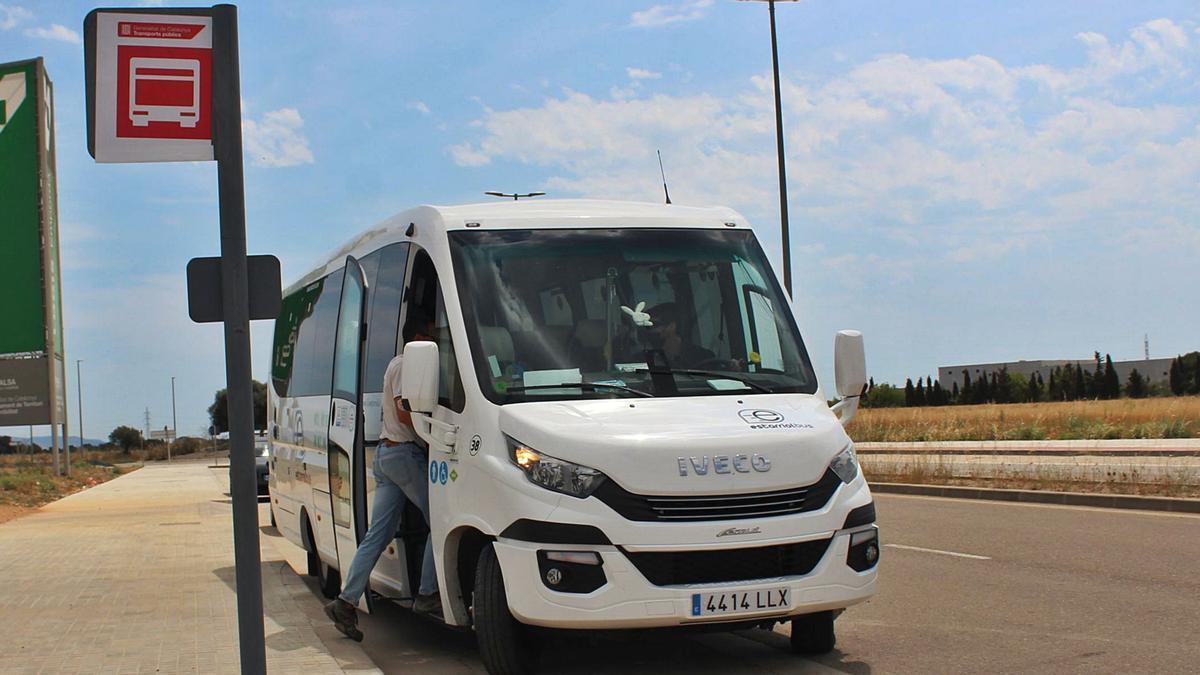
x=972 y=556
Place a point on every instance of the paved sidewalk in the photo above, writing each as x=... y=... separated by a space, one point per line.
x=136 y=575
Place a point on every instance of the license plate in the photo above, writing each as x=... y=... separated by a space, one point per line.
x=741 y=602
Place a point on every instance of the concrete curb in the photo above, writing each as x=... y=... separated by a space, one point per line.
x=1181 y=447
x=1172 y=504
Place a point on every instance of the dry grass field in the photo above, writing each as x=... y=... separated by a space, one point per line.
x=1175 y=417
x=28 y=481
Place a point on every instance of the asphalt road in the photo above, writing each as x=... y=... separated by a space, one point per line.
x=967 y=587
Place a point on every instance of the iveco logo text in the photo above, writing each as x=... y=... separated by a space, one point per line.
x=739 y=530
x=723 y=464
x=769 y=419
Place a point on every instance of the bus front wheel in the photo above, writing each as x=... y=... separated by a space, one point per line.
x=813 y=633
x=505 y=644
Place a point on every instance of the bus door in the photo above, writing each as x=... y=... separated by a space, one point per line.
x=347 y=465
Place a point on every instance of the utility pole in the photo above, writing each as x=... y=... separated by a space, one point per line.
x=174 y=427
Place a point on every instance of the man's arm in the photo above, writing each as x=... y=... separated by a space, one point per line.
x=403 y=415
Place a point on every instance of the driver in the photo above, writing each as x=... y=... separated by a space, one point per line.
x=665 y=334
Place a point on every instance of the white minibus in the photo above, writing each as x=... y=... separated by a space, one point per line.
x=624 y=427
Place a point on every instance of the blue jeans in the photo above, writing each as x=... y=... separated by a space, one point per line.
x=400 y=470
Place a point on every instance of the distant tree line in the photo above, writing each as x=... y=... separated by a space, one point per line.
x=1072 y=382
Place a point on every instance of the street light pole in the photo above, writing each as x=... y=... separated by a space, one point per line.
x=783 y=201
x=174 y=427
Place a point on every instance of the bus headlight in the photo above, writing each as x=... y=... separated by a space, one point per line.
x=845 y=464
x=555 y=474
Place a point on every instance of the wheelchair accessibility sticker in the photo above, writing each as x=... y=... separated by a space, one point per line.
x=439 y=472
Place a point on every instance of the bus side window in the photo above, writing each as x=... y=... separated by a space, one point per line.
x=450 y=387
x=424 y=295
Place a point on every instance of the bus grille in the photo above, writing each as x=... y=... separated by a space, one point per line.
x=689 y=508
x=740 y=564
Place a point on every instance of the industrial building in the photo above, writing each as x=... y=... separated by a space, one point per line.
x=1155 y=371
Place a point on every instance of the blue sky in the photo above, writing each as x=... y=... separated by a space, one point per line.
x=967 y=182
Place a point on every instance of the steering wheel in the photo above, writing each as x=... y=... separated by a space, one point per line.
x=714 y=362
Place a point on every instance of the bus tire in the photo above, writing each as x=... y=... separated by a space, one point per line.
x=331 y=580
x=813 y=633
x=504 y=643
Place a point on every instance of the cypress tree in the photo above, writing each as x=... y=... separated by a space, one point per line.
x=1080 y=387
x=939 y=394
x=1052 y=392
x=920 y=397
x=910 y=394
x=1112 y=384
x=1033 y=392
x=1136 y=385
x=954 y=393
x=966 y=395
x=1097 y=384
x=1002 y=393
x=1177 y=384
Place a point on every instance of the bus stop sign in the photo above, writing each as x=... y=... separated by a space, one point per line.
x=149 y=85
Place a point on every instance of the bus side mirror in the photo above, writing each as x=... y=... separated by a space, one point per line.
x=419 y=376
x=849 y=363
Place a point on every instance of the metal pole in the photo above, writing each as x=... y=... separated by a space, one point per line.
x=174 y=427
x=79 y=395
x=54 y=443
x=227 y=148
x=783 y=203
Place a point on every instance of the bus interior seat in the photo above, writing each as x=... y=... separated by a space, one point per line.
x=587 y=344
x=497 y=342
x=543 y=349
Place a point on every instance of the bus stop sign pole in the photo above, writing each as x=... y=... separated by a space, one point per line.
x=130 y=50
x=227 y=150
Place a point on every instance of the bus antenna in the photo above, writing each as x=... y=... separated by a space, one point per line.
x=664 y=176
x=514 y=195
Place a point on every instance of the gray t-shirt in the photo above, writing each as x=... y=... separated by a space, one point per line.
x=393 y=429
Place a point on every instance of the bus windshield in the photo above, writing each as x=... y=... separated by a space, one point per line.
x=603 y=313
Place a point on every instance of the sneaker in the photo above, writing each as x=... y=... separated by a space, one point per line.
x=345 y=618
x=429 y=605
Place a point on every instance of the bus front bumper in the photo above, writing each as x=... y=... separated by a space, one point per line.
x=626 y=598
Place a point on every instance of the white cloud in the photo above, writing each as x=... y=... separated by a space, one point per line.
x=662 y=15
x=642 y=74
x=277 y=140
x=11 y=15
x=55 y=31
x=963 y=157
x=419 y=106
x=465 y=155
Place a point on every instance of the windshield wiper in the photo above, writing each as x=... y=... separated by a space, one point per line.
x=712 y=373
x=585 y=386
